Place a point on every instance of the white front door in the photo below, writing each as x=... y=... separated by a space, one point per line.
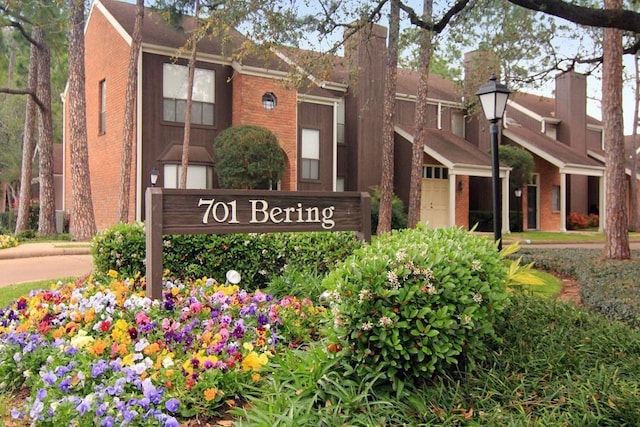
x=434 y=202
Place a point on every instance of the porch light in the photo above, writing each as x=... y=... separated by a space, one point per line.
x=154 y=176
x=493 y=97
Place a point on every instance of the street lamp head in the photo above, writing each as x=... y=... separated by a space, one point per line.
x=518 y=192
x=493 y=97
x=154 y=176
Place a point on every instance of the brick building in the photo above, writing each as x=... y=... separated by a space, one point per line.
x=330 y=129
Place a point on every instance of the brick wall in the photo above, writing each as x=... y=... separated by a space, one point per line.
x=105 y=150
x=462 y=202
x=282 y=120
x=549 y=176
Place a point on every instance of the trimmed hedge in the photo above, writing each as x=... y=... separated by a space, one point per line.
x=258 y=257
x=610 y=287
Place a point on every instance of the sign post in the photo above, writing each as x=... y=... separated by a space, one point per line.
x=170 y=211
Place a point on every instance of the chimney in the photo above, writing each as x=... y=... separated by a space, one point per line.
x=366 y=57
x=478 y=67
x=571 y=109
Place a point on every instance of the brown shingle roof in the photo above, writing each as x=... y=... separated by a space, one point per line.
x=156 y=31
x=559 y=152
x=455 y=149
x=543 y=105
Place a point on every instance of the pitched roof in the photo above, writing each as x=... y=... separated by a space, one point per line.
x=560 y=155
x=439 y=87
x=543 y=105
x=454 y=152
x=157 y=32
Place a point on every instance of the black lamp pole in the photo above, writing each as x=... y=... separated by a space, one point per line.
x=493 y=97
x=495 y=176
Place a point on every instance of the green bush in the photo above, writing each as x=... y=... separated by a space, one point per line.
x=398 y=215
x=248 y=157
x=258 y=257
x=417 y=301
x=121 y=248
x=606 y=286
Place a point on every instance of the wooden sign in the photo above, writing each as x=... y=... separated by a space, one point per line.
x=170 y=211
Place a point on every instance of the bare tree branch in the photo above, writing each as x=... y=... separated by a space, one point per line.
x=439 y=26
x=26 y=35
x=603 y=18
x=29 y=92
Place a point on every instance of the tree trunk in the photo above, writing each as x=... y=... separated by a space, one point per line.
x=3 y=197
x=415 y=185
x=187 y=116
x=28 y=146
x=391 y=76
x=47 y=217
x=82 y=225
x=634 y=224
x=129 y=111
x=616 y=234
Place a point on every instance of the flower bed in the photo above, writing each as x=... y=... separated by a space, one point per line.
x=7 y=241
x=100 y=353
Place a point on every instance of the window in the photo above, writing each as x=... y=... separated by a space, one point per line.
x=435 y=172
x=555 y=198
x=174 y=90
x=340 y=183
x=340 y=123
x=102 y=124
x=310 y=154
x=457 y=123
x=198 y=176
x=269 y=101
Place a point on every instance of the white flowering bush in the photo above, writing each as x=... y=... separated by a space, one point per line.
x=417 y=301
x=7 y=241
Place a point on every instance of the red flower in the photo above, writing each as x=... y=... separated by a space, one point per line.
x=105 y=325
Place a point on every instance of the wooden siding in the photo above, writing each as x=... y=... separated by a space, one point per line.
x=158 y=136
x=320 y=117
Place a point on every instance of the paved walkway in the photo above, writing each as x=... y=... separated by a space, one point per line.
x=30 y=262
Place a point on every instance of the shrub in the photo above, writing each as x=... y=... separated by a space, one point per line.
x=258 y=257
x=7 y=241
x=398 y=215
x=609 y=287
x=417 y=301
x=482 y=220
x=248 y=157
x=594 y=220
x=121 y=248
x=577 y=221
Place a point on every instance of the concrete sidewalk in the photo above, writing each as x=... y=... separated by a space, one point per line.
x=30 y=262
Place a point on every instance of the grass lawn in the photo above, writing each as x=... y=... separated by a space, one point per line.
x=557 y=237
x=10 y=293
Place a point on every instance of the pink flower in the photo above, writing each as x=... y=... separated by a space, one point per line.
x=142 y=319
x=195 y=307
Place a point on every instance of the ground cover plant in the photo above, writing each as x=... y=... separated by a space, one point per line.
x=609 y=287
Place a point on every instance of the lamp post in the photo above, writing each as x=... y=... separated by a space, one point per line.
x=154 y=176
x=493 y=97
